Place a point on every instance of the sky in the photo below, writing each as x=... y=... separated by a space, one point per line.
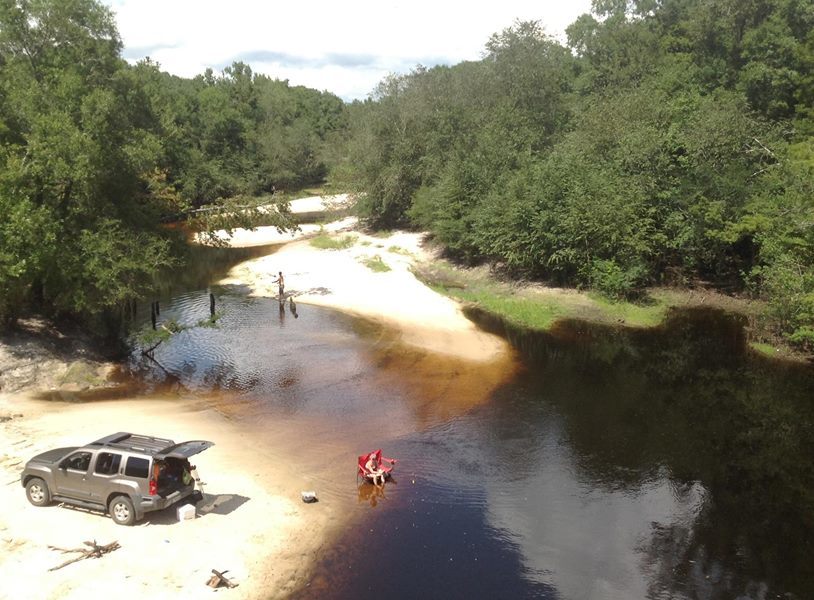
x=343 y=47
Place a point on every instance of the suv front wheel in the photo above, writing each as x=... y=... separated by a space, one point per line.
x=37 y=492
x=122 y=511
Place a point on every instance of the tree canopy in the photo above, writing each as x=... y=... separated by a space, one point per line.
x=667 y=141
x=95 y=154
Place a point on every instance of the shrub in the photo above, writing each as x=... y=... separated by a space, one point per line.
x=613 y=280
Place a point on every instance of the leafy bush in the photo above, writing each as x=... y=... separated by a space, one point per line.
x=614 y=281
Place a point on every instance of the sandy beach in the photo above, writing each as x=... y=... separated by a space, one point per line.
x=341 y=279
x=252 y=520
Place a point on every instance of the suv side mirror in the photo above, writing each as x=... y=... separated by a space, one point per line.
x=64 y=463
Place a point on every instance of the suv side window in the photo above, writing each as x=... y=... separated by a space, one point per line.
x=137 y=467
x=107 y=463
x=79 y=461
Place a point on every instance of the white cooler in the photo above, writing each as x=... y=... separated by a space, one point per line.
x=187 y=511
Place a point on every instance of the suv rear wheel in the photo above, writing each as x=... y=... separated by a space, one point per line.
x=37 y=492
x=122 y=511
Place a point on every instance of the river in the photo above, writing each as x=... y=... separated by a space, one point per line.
x=602 y=464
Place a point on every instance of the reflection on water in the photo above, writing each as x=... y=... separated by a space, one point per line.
x=617 y=464
x=667 y=463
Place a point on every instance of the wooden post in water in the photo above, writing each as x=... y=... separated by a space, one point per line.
x=157 y=309
x=152 y=314
x=211 y=304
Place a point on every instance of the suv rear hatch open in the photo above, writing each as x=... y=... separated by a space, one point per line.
x=183 y=450
x=172 y=471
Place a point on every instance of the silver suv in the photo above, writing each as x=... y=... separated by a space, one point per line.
x=124 y=474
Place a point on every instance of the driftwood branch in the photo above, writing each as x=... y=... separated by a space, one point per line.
x=93 y=550
x=171 y=333
x=219 y=578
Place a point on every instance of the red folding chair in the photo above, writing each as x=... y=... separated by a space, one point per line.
x=380 y=460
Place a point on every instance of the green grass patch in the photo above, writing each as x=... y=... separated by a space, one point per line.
x=763 y=348
x=535 y=310
x=637 y=315
x=375 y=263
x=536 y=314
x=399 y=250
x=382 y=233
x=328 y=242
x=364 y=243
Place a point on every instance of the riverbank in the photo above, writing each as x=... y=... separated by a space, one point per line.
x=536 y=306
x=397 y=279
x=251 y=520
x=37 y=355
x=368 y=276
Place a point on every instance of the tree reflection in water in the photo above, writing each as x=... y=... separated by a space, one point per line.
x=689 y=398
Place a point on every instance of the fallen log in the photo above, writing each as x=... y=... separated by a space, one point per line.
x=93 y=550
x=219 y=578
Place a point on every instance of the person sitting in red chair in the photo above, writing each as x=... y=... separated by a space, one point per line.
x=371 y=467
x=373 y=470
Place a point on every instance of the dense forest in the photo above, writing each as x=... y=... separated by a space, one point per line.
x=669 y=142
x=96 y=154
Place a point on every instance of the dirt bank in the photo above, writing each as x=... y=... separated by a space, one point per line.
x=38 y=356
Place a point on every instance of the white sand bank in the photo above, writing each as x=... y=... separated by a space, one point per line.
x=262 y=236
x=340 y=279
x=314 y=204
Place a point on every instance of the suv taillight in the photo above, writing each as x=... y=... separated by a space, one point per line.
x=154 y=481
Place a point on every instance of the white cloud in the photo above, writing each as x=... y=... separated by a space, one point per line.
x=187 y=36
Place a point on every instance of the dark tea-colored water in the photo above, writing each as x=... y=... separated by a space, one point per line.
x=597 y=464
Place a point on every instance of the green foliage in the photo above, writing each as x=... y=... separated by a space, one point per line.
x=95 y=154
x=240 y=212
x=328 y=242
x=765 y=349
x=150 y=339
x=77 y=174
x=520 y=311
x=153 y=337
x=375 y=264
x=614 y=281
x=782 y=223
x=210 y=322
x=670 y=142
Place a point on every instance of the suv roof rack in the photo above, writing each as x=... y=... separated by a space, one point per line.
x=134 y=441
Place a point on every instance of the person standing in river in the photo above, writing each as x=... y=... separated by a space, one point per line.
x=281 y=282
